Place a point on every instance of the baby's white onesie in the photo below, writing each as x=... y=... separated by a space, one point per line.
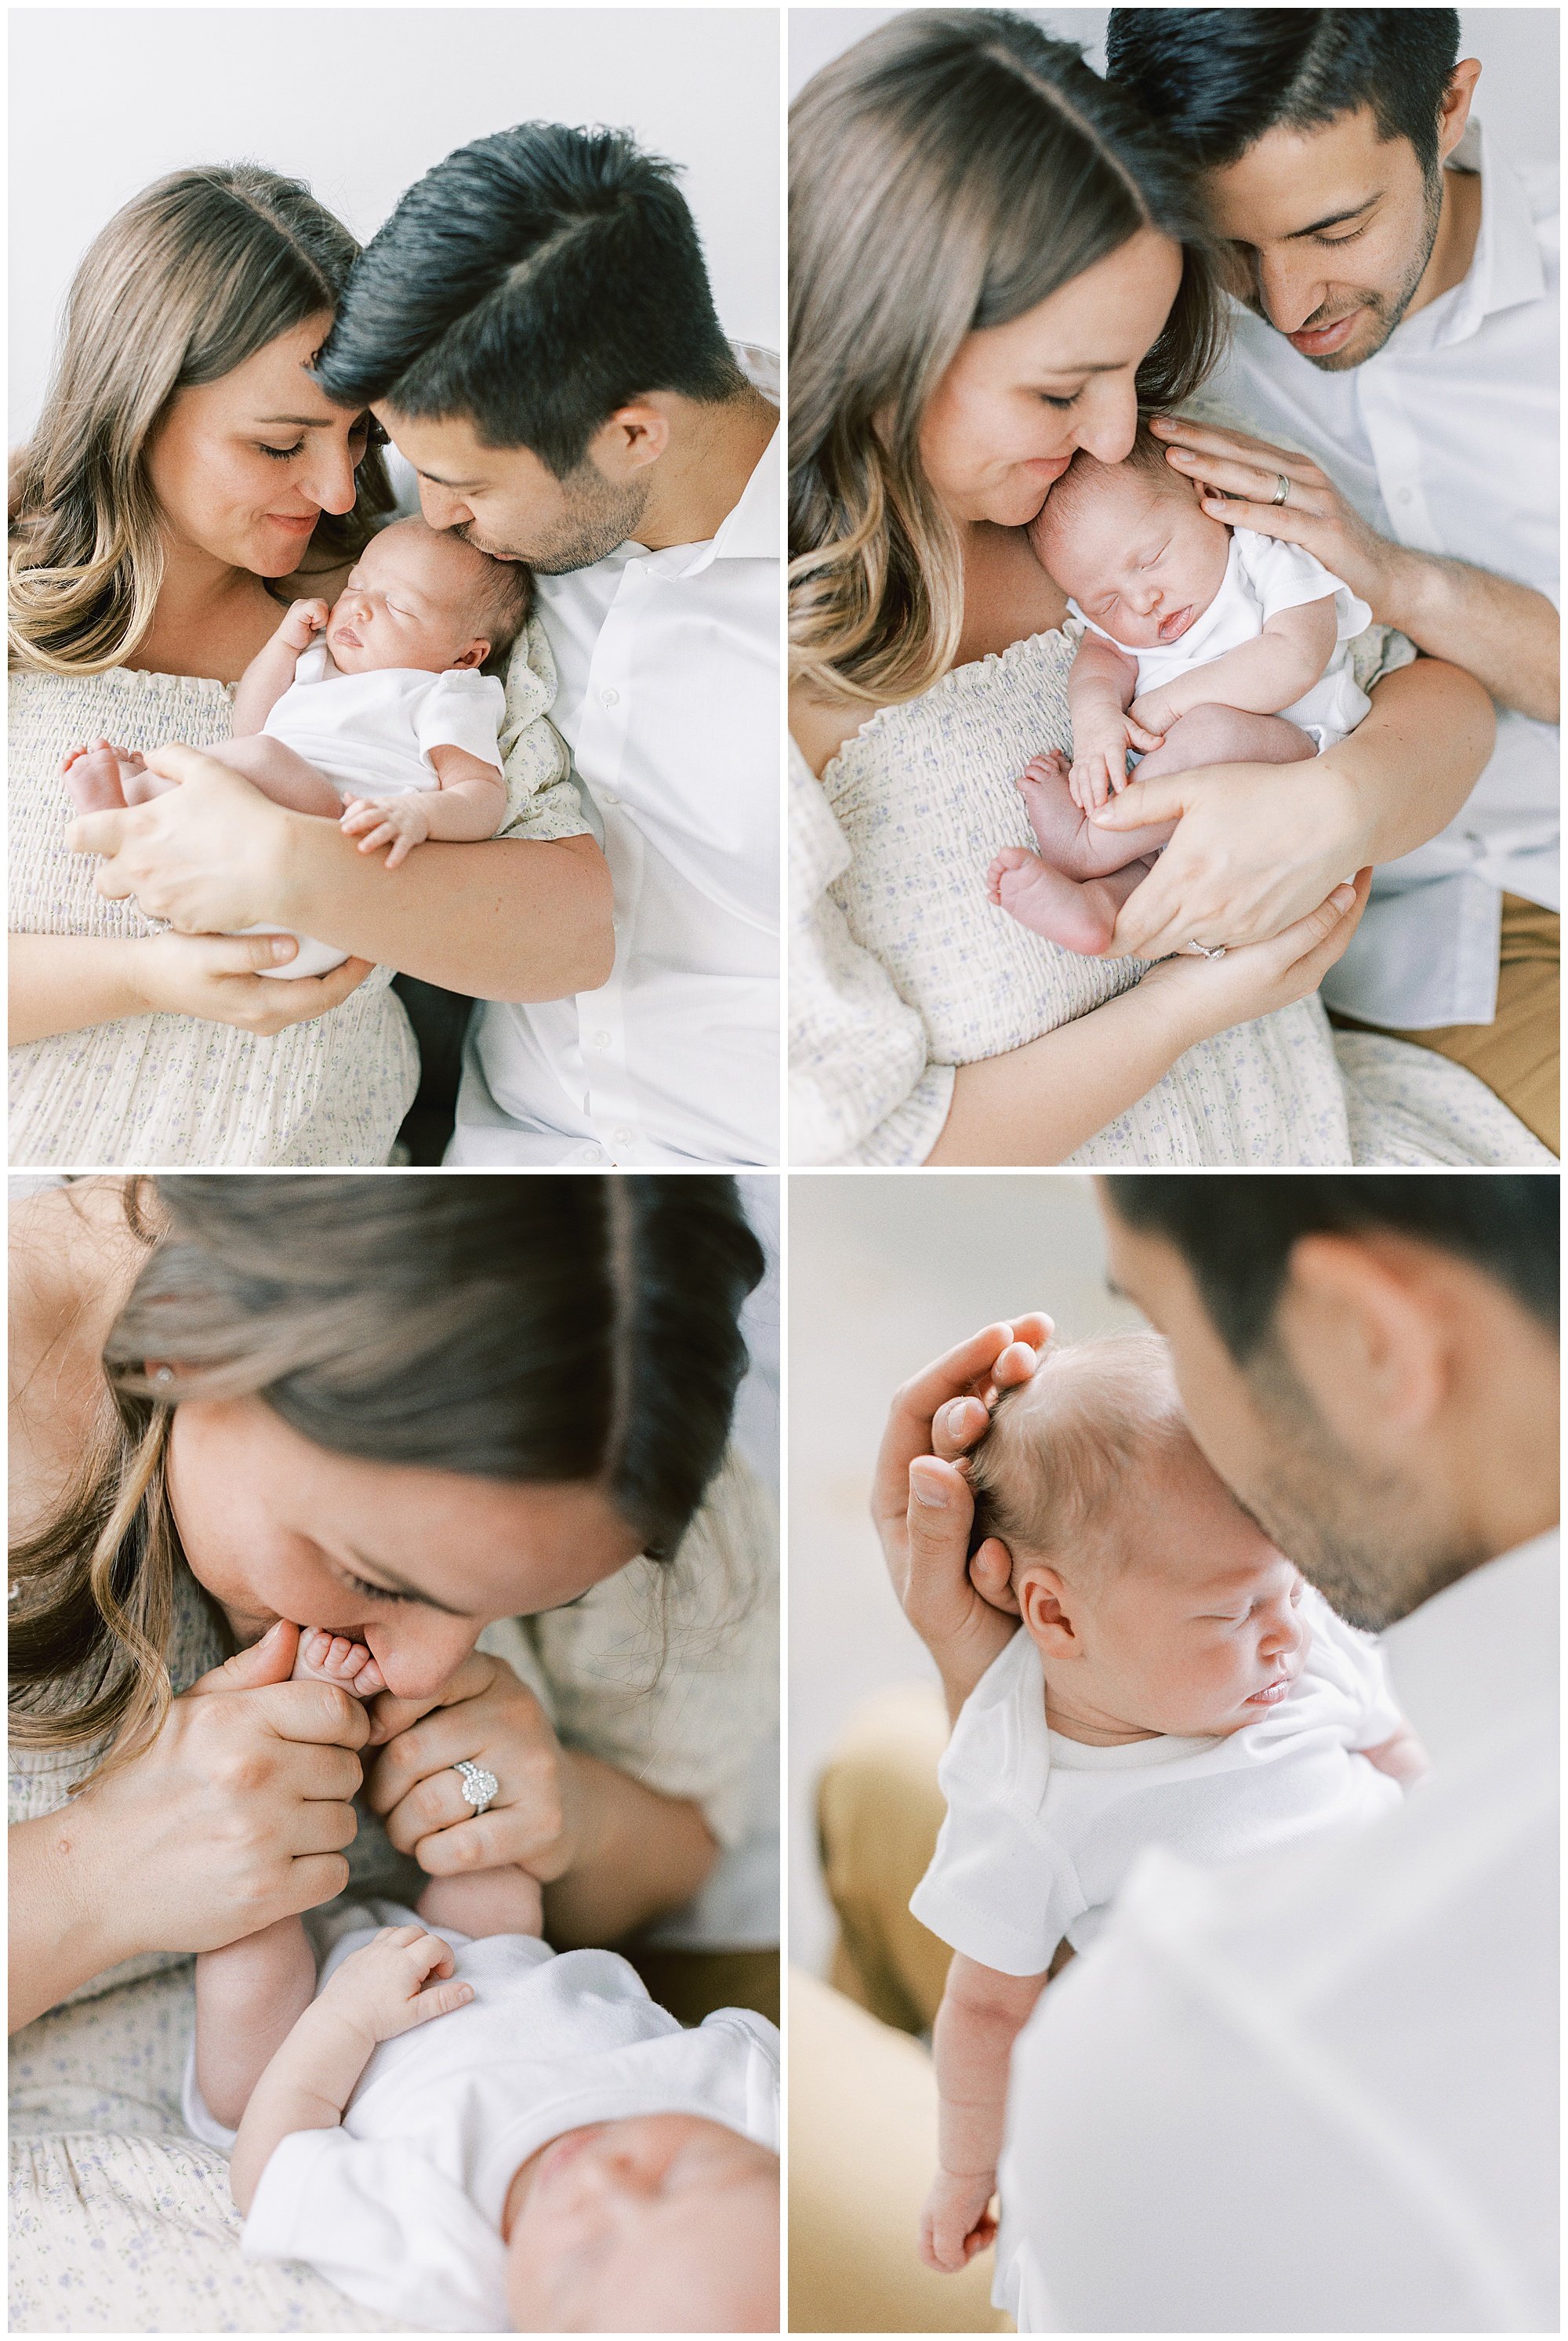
x=370 y=735
x=1041 y=1830
x=401 y=2205
x=1264 y=576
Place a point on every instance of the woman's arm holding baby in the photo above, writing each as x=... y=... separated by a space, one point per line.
x=1278 y=666
x=981 y=2015
x=66 y=984
x=1252 y=850
x=399 y=1981
x=519 y=919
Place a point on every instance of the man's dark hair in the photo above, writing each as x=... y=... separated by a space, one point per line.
x=533 y=283
x=1216 y=79
x=1235 y=1234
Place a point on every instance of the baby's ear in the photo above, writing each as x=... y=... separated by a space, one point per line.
x=1041 y=1604
x=476 y=654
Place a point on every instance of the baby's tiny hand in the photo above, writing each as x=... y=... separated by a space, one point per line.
x=957 y=2220
x=303 y=622
x=386 y=1988
x=1153 y=716
x=400 y=822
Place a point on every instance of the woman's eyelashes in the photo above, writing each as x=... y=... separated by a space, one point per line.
x=375 y=1592
x=281 y=454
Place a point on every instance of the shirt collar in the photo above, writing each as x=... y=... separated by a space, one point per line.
x=1506 y=267
x=1481 y=1653
x=750 y=529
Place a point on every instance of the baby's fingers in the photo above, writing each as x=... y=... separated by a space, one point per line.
x=439 y=2000
x=402 y=847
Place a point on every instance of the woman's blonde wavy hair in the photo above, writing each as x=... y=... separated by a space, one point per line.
x=186 y=282
x=947 y=174
x=519 y=1329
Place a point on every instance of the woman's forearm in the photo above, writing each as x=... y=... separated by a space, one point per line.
x=639 y=1855
x=1413 y=762
x=61 y=1916
x=516 y=919
x=63 y=983
x=1038 y=1103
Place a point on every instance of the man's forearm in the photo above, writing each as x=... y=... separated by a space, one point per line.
x=515 y=919
x=639 y=1855
x=1506 y=635
x=1412 y=762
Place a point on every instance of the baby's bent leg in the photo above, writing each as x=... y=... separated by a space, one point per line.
x=280 y=775
x=249 y=1997
x=486 y=1902
x=1226 y=735
x=1068 y=840
x=1078 y=913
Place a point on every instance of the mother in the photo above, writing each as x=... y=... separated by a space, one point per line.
x=186 y=478
x=995 y=263
x=414 y=1410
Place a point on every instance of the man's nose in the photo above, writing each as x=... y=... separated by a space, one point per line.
x=1290 y=288
x=440 y=507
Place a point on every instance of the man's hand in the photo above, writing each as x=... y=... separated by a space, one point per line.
x=957 y=2220
x=1506 y=635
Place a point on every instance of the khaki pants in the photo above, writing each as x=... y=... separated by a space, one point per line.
x=862 y=2096
x=693 y=1984
x=1516 y=1055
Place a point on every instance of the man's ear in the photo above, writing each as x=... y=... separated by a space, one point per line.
x=477 y=651
x=1454 y=113
x=1366 y=1335
x=1044 y=1603
x=635 y=436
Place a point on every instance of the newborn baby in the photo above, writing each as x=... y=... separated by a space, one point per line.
x=1202 y=645
x=384 y=724
x=474 y=2133
x=1175 y=1683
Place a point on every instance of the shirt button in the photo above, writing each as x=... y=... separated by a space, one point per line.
x=601 y=1040
x=623 y=1138
x=609 y=699
x=608 y=796
x=595 y=1154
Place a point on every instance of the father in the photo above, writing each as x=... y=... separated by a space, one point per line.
x=534 y=327
x=1395 y=320
x=1318 y=2093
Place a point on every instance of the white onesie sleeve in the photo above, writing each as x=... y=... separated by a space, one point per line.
x=464 y=709
x=1352 y=1662
x=388 y=2227
x=1285 y=576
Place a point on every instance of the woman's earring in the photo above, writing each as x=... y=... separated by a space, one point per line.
x=162 y=1374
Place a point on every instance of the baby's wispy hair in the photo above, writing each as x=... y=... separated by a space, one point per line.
x=1063 y=1445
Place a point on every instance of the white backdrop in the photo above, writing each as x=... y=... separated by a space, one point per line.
x=360 y=102
x=1517 y=48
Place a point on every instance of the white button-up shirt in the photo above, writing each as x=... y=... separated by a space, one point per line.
x=669 y=701
x=1445 y=441
x=1316 y=2092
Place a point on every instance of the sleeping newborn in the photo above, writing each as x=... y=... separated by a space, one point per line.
x=1202 y=645
x=372 y=714
x=1174 y=1683
x=469 y=2131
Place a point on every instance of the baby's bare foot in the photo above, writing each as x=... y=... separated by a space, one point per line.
x=96 y=775
x=1066 y=911
x=333 y=1658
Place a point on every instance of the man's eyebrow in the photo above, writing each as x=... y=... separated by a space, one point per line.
x=396 y=1584
x=438 y=479
x=1334 y=219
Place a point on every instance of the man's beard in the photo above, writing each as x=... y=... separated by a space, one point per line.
x=1373 y=1547
x=597 y=519
x=1386 y=308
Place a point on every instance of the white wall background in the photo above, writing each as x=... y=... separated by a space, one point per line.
x=886 y=1271
x=360 y=102
x=1517 y=48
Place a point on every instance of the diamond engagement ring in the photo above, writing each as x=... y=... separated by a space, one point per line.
x=478 y=1785
x=1281 y=492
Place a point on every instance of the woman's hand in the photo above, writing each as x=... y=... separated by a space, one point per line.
x=1255 y=850
x=214 y=977
x=208 y=856
x=484 y=1715
x=923 y=1511
x=1211 y=995
x=236 y=1815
